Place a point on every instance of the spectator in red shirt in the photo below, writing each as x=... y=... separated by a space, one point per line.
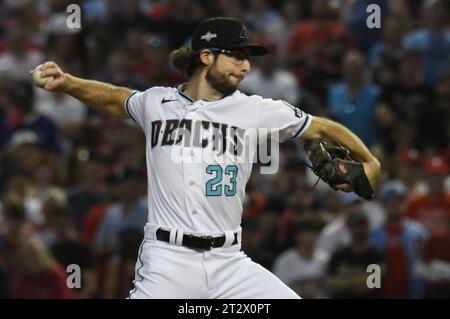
x=13 y=227
x=69 y=249
x=40 y=277
x=436 y=265
x=94 y=217
x=306 y=46
x=432 y=209
x=408 y=169
x=401 y=241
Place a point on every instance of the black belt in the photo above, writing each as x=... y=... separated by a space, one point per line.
x=196 y=242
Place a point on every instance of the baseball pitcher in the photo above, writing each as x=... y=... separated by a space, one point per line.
x=201 y=141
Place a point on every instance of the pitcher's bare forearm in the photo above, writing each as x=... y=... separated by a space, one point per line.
x=322 y=128
x=104 y=97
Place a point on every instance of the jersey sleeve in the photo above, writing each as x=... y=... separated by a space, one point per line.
x=135 y=105
x=281 y=117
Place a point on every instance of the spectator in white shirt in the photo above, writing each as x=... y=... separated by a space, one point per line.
x=270 y=81
x=296 y=267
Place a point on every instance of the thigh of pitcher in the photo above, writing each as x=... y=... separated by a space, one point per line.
x=167 y=271
x=249 y=280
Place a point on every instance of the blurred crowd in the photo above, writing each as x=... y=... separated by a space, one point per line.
x=73 y=182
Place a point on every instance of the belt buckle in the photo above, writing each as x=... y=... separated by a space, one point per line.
x=211 y=238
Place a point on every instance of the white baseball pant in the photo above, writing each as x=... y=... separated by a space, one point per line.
x=171 y=271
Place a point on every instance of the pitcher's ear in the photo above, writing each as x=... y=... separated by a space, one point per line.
x=207 y=57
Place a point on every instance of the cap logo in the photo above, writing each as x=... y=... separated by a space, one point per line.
x=208 y=36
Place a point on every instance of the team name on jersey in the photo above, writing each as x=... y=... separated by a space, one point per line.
x=220 y=137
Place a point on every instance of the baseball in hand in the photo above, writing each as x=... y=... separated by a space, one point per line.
x=38 y=78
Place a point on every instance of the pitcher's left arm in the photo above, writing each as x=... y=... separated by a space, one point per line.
x=325 y=129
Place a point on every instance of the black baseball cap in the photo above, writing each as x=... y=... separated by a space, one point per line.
x=224 y=33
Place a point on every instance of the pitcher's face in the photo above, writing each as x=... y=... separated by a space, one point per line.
x=228 y=69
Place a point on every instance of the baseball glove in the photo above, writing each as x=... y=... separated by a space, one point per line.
x=335 y=166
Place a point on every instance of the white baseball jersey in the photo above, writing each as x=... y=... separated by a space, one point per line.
x=189 y=186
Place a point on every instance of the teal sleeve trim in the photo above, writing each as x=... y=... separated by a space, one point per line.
x=308 y=118
x=126 y=105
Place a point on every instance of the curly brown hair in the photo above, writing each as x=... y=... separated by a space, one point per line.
x=186 y=60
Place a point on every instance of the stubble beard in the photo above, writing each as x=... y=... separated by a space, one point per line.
x=220 y=82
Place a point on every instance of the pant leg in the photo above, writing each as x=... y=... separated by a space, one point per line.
x=165 y=271
x=238 y=277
